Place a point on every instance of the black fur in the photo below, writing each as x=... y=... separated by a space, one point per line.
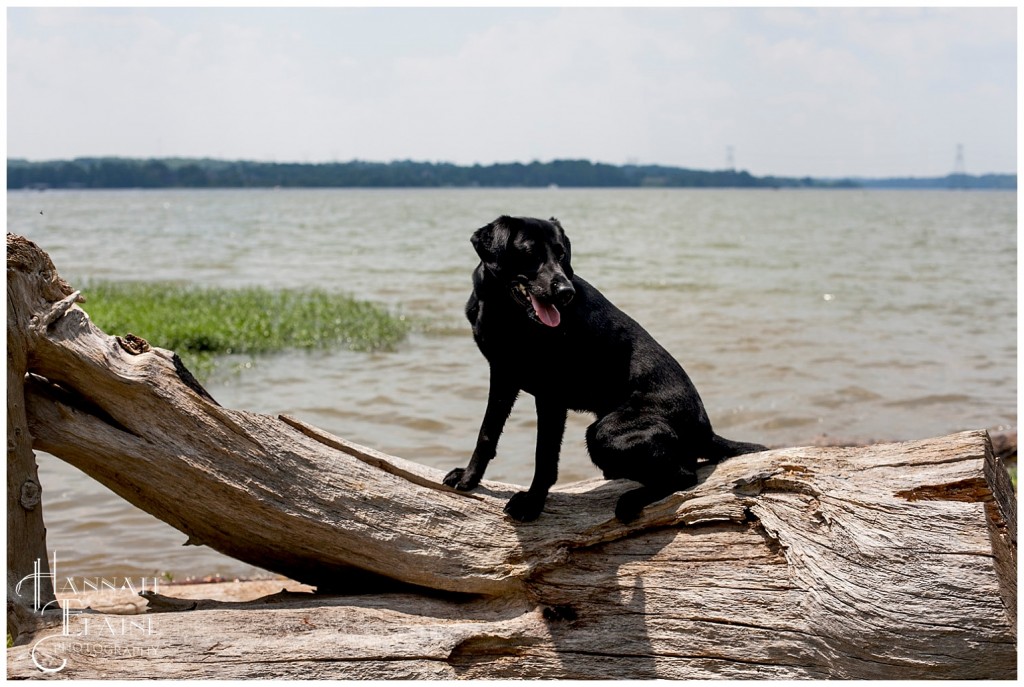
x=548 y=332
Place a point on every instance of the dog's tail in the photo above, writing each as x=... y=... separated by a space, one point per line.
x=722 y=448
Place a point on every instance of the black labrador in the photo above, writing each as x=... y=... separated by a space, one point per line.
x=546 y=331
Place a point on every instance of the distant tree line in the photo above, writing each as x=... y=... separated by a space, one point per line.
x=964 y=181
x=206 y=173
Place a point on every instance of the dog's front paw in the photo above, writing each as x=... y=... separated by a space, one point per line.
x=460 y=479
x=524 y=507
x=629 y=505
x=453 y=477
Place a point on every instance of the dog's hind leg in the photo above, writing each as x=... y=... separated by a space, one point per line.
x=644 y=448
x=629 y=505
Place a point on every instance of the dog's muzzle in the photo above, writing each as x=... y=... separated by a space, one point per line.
x=544 y=309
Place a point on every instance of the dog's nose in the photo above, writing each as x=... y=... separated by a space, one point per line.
x=563 y=293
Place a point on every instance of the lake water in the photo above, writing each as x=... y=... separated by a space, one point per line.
x=854 y=314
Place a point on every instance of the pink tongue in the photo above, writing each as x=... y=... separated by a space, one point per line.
x=548 y=314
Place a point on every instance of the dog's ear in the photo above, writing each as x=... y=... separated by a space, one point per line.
x=490 y=242
x=567 y=245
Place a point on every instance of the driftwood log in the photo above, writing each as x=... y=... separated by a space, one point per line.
x=888 y=561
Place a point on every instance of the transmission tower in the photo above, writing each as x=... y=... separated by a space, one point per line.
x=959 y=168
x=730 y=159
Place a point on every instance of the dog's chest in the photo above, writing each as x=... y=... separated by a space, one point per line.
x=541 y=361
x=509 y=339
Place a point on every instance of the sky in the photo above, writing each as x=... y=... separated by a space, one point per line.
x=824 y=92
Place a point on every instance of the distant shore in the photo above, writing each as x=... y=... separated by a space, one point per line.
x=112 y=173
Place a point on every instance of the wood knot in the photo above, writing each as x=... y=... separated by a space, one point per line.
x=31 y=494
x=135 y=345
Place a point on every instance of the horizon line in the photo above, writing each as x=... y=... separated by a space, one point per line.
x=495 y=164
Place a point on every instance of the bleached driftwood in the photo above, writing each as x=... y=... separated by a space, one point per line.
x=889 y=561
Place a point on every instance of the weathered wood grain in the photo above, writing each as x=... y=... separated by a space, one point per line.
x=892 y=561
x=27 y=268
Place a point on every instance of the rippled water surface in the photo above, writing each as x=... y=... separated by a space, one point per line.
x=858 y=315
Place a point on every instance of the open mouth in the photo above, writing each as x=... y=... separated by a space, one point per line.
x=537 y=310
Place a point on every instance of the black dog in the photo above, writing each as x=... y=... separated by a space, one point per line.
x=546 y=331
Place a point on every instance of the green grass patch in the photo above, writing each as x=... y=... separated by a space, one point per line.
x=200 y=323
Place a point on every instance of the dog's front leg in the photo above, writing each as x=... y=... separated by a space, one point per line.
x=500 y=399
x=527 y=505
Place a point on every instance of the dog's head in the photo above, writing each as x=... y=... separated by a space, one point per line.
x=531 y=258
